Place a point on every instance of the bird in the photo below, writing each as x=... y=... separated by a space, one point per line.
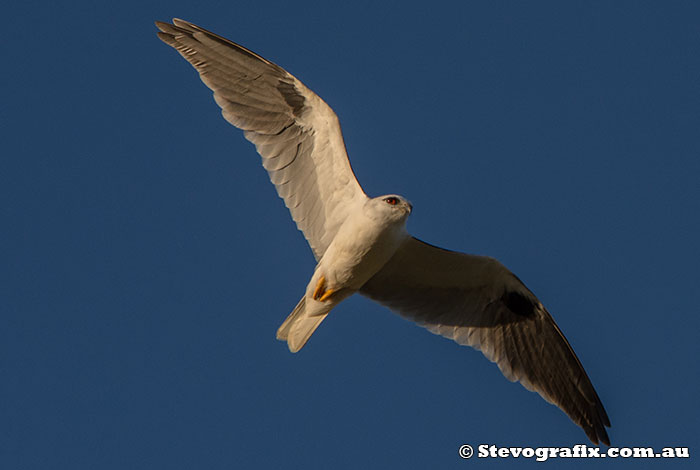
x=361 y=244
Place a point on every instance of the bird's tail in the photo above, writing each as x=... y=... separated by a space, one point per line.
x=301 y=324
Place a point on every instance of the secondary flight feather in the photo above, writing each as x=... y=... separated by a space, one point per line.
x=361 y=244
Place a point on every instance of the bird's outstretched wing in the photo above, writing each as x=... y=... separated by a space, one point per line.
x=477 y=302
x=294 y=130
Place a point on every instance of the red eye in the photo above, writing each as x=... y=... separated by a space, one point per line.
x=392 y=201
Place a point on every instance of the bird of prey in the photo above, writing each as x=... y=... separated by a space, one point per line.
x=361 y=244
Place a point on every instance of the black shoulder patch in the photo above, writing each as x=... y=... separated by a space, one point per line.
x=518 y=304
x=291 y=96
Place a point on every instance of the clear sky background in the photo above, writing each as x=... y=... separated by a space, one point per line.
x=146 y=260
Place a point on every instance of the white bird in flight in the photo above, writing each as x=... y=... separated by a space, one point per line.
x=361 y=244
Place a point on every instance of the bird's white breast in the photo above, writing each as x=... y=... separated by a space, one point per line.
x=361 y=247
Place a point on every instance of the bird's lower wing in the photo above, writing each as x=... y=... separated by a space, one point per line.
x=477 y=302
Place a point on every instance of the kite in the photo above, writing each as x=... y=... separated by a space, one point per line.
x=361 y=244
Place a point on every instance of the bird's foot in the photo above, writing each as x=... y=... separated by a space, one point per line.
x=326 y=295
x=321 y=293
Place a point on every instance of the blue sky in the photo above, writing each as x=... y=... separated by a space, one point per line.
x=147 y=261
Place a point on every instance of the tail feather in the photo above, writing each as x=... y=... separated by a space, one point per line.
x=283 y=330
x=300 y=325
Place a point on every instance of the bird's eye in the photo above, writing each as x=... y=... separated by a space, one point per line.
x=391 y=201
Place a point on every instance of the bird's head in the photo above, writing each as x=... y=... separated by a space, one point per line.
x=390 y=207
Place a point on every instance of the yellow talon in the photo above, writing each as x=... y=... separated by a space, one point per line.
x=326 y=295
x=320 y=290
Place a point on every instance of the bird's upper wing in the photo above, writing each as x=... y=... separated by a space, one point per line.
x=477 y=302
x=294 y=130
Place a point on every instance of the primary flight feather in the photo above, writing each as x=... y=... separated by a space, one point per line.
x=361 y=244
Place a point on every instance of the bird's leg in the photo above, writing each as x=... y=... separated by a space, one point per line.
x=321 y=293
x=326 y=295
x=320 y=288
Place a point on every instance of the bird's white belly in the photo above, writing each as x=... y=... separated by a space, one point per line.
x=360 y=249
